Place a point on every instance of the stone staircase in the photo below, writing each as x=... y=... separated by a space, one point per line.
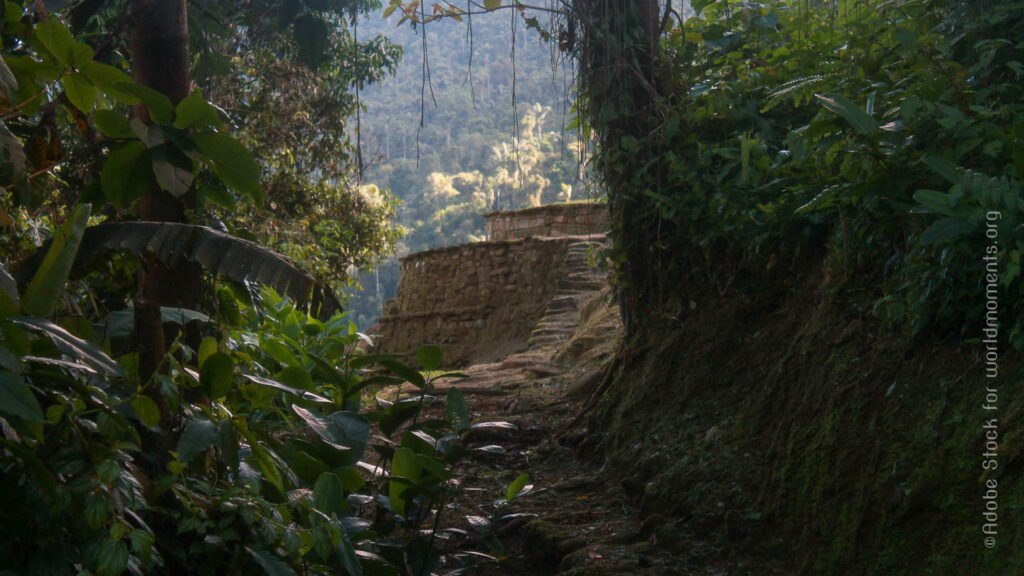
x=581 y=282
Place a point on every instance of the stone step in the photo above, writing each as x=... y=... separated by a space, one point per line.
x=584 y=276
x=554 y=328
x=543 y=342
x=562 y=304
x=580 y=285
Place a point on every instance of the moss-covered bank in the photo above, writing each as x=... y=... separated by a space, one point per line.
x=787 y=419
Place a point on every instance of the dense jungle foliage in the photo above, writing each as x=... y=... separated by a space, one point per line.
x=248 y=439
x=891 y=132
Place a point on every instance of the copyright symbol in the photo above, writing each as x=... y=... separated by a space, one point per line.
x=990 y=542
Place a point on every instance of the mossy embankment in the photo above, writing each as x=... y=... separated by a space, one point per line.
x=785 y=418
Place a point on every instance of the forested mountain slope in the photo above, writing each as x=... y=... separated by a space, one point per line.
x=479 y=125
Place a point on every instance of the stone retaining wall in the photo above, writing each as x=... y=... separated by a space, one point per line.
x=568 y=219
x=479 y=301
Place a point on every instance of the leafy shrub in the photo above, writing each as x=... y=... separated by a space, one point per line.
x=887 y=130
x=253 y=450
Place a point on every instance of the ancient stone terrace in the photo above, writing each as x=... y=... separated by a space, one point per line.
x=483 y=301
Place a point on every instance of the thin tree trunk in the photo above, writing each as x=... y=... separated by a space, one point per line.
x=619 y=60
x=159 y=46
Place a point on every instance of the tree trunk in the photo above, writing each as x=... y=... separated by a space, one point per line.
x=159 y=46
x=619 y=73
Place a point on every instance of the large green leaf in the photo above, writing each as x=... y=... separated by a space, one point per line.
x=329 y=494
x=17 y=399
x=858 y=118
x=934 y=200
x=118 y=325
x=160 y=107
x=271 y=564
x=199 y=435
x=57 y=39
x=946 y=229
x=71 y=345
x=403 y=465
x=173 y=169
x=109 y=80
x=8 y=286
x=80 y=92
x=232 y=162
x=126 y=173
x=216 y=375
x=347 y=555
x=304 y=394
x=44 y=291
x=349 y=429
x=220 y=253
x=195 y=110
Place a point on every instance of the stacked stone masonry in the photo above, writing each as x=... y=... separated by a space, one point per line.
x=550 y=220
x=480 y=301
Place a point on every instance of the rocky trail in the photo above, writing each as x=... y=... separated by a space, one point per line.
x=577 y=518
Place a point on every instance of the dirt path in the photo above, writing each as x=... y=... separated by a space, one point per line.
x=576 y=520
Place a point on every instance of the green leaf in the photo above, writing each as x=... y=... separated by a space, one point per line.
x=208 y=347
x=173 y=170
x=350 y=479
x=304 y=394
x=71 y=346
x=296 y=377
x=17 y=399
x=109 y=80
x=57 y=39
x=698 y=5
x=329 y=494
x=935 y=201
x=841 y=105
x=195 y=110
x=8 y=286
x=943 y=167
x=80 y=92
x=404 y=465
x=81 y=55
x=147 y=410
x=347 y=555
x=122 y=177
x=112 y=557
x=516 y=487
x=232 y=162
x=44 y=290
x=271 y=564
x=280 y=351
x=199 y=436
x=430 y=357
x=434 y=467
x=457 y=409
x=351 y=430
x=308 y=467
x=160 y=108
x=216 y=375
x=112 y=123
x=492 y=4
x=946 y=229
